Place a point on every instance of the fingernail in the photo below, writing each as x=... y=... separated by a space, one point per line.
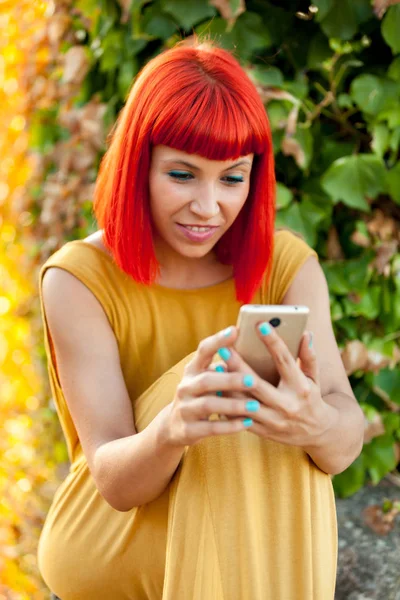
x=248 y=380
x=252 y=405
x=247 y=422
x=227 y=332
x=224 y=353
x=220 y=369
x=265 y=329
x=218 y=393
x=310 y=343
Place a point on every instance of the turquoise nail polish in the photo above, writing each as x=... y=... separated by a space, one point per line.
x=227 y=331
x=265 y=329
x=224 y=353
x=248 y=380
x=247 y=422
x=310 y=343
x=218 y=393
x=252 y=405
x=220 y=369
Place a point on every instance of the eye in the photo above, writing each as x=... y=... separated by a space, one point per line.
x=231 y=179
x=180 y=175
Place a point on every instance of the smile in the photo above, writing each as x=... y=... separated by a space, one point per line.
x=196 y=233
x=196 y=228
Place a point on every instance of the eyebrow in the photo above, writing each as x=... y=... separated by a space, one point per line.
x=191 y=166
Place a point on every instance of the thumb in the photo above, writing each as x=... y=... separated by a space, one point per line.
x=308 y=358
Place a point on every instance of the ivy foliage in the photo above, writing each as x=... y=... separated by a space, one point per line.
x=329 y=75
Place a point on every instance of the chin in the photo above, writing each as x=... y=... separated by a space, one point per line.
x=193 y=251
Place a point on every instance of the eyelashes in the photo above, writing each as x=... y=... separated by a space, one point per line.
x=183 y=176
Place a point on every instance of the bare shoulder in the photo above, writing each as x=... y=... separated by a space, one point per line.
x=96 y=239
x=66 y=297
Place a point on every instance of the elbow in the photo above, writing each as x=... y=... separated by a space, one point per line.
x=107 y=483
x=346 y=461
x=114 y=500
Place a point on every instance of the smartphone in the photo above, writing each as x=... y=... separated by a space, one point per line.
x=289 y=322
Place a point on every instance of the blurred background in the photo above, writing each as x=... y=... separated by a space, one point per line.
x=329 y=75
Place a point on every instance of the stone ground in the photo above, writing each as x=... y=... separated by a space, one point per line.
x=369 y=563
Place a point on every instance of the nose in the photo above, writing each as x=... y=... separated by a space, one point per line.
x=205 y=205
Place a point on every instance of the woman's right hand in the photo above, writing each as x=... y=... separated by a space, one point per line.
x=187 y=420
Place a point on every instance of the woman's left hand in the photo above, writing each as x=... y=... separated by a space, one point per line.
x=293 y=413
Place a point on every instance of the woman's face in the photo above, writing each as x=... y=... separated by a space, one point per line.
x=188 y=192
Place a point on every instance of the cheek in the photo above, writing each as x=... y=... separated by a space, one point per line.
x=237 y=200
x=166 y=197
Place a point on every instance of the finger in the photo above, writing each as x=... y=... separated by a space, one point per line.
x=202 y=408
x=208 y=348
x=208 y=382
x=285 y=363
x=308 y=357
x=255 y=386
x=202 y=429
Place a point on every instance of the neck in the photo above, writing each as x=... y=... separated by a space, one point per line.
x=182 y=272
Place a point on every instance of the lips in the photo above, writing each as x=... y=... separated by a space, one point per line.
x=197 y=233
x=198 y=227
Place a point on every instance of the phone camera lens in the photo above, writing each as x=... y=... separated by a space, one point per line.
x=275 y=322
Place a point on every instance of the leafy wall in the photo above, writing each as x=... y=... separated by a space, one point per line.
x=329 y=75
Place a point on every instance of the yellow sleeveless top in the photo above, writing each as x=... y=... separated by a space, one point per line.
x=242 y=518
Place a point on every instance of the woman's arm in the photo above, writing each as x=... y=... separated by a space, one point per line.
x=342 y=441
x=128 y=468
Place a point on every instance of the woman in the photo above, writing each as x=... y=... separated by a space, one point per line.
x=191 y=478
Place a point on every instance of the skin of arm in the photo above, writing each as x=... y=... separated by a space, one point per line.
x=129 y=468
x=342 y=441
x=137 y=469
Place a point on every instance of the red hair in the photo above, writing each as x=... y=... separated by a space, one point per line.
x=199 y=100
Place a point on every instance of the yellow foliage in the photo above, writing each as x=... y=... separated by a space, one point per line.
x=30 y=446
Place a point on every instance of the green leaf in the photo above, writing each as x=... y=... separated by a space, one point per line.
x=277 y=113
x=374 y=94
x=291 y=217
x=188 y=12
x=249 y=33
x=352 y=179
x=295 y=217
x=393 y=182
x=391 y=422
x=394 y=69
x=351 y=480
x=113 y=49
x=348 y=276
x=298 y=87
x=391 y=28
x=324 y=6
x=331 y=150
x=344 y=17
x=284 y=196
x=318 y=52
x=368 y=307
x=157 y=24
x=380 y=139
x=379 y=457
x=387 y=382
x=394 y=143
x=392 y=116
x=125 y=77
x=345 y=101
x=268 y=76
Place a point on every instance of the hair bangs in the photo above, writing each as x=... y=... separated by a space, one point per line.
x=210 y=123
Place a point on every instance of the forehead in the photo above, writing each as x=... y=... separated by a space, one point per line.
x=165 y=154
